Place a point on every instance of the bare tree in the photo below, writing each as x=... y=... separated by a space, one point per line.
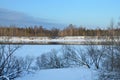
x=48 y=60
x=110 y=48
x=95 y=54
x=111 y=61
x=9 y=64
x=72 y=56
x=27 y=62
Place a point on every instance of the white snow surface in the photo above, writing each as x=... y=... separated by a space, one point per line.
x=35 y=50
x=46 y=40
x=62 y=74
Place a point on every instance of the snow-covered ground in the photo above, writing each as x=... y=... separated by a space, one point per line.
x=62 y=74
x=57 y=40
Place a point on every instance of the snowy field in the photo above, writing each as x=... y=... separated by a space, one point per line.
x=82 y=73
x=62 y=74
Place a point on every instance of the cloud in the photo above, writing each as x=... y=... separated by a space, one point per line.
x=8 y=17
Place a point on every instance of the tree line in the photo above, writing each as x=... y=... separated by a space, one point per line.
x=71 y=30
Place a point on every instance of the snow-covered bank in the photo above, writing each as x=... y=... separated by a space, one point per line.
x=57 y=40
x=62 y=74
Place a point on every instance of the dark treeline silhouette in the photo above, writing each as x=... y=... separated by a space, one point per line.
x=71 y=30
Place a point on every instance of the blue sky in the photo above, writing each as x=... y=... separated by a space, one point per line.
x=78 y=12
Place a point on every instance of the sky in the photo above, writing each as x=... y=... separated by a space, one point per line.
x=78 y=12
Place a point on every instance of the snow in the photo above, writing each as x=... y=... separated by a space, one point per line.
x=47 y=40
x=62 y=74
x=35 y=50
x=4 y=77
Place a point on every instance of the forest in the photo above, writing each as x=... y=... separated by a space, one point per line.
x=70 y=30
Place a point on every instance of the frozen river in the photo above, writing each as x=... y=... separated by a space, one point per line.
x=36 y=50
